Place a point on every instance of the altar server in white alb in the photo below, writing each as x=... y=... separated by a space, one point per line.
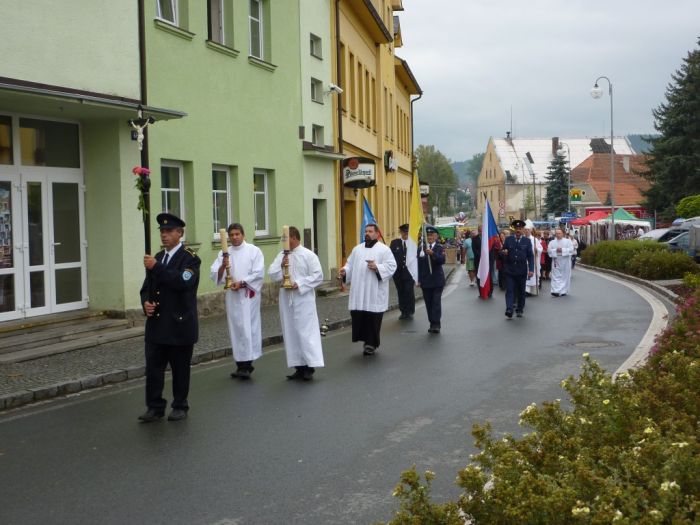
x=247 y=269
x=368 y=270
x=300 y=329
x=532 y=286
x=560 y=250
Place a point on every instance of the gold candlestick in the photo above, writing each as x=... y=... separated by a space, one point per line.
x=223 y=236
x=286 y=280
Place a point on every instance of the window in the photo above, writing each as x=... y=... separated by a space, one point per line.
x=316 y=90
x=368 y=109
x=171 y=189
x=6 y=156
x=351 y=86
x=374 y=104
x=167 y=10
x=256 y=29
x=360 y=92
x=220 y=184
x=343 y=82
x=216 y=21
x=317 y=135
x=316 y=46
x=260 y=202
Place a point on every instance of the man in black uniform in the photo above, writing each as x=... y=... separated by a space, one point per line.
x=431 y=278
x=169 y=299
x=518 y=265
x=402 y=277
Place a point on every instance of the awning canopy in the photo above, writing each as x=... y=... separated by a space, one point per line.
x=595 y=216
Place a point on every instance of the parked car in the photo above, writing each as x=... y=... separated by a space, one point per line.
x=653 y=235
x=681 y=243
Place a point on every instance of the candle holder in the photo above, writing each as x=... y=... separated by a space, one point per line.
x=286 y=280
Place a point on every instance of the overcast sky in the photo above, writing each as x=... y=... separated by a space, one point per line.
x=475 y=59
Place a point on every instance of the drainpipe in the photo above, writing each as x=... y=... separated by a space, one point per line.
x=338 y=74
x=144 y=98
x=413 y=146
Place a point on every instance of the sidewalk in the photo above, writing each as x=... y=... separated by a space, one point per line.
x=71 y=372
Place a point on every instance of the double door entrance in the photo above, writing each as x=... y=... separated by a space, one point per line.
x=42 y=238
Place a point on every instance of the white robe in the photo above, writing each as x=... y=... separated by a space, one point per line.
x=367 y=293
x=561 y=264
x=300 y=329
x=243 y=305
x=532 y=283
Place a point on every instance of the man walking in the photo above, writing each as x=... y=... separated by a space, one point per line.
x=431 y=278
x=247 y=268
x=368 y=269
x=169 y=299
x=402 y=277
x=519 y=265
x=300 y=329
x=561 y=251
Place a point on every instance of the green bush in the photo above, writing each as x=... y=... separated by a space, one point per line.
x=661 y=265
x=616 y=255
x=692 y=280
x=689 y=206
x=626 y=452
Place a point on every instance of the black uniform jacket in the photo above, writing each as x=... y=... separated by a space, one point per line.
x=401 y=273
x=520 y=258
x=436 y=279
x=174 y=290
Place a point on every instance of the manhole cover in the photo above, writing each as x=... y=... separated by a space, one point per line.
x=594 y=344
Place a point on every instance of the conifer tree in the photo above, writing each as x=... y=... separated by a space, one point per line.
x=557 y=199
x=674 y=160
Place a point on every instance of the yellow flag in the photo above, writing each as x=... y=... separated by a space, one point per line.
x=415 y=224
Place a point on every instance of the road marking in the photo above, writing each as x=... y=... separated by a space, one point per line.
x=659 y=321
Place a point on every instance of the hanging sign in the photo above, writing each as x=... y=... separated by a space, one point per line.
x=359 y=172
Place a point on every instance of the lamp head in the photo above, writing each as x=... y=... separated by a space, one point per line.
x=596 y=91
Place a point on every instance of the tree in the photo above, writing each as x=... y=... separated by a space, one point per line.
x=689 y=207
x=434 y=168
x=557 y=199
x=673 y=164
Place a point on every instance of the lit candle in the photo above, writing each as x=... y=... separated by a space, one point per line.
x=285 y=238
x=224 y=240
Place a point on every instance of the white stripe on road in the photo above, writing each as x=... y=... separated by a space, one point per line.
x=659 y=321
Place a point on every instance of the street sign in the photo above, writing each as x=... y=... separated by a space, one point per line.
x=502 y=204
x=569 y=214
x=501 y=212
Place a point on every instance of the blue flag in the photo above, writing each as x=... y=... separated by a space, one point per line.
x=367 y=218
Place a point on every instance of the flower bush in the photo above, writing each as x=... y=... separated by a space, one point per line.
x=627 y=451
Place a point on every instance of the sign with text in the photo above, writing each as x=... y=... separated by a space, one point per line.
x=359 y=172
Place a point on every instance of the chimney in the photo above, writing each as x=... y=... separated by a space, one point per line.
x=509 y=140
x=626 y=163
x=555 y=146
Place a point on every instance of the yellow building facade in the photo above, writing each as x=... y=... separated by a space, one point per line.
x=374 y=117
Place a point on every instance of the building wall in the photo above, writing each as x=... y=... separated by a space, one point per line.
x=72 y=44
x=242 y=113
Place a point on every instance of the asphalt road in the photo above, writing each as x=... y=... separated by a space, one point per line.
x=330 y=451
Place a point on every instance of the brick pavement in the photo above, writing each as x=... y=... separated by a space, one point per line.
x=71 y=372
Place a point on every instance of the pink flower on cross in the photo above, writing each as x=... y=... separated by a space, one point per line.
x=140 y=170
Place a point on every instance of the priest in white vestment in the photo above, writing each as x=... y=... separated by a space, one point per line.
x=300 y=328
x=560 y=250
x=368 y=270
x=532 y=284
x=242 y=299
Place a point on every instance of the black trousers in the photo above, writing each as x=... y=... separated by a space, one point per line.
x=433 y=304
x=157 y=359
x=515 y=292
x=366 y=326
x=407 y=296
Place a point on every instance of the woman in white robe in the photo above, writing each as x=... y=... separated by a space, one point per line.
x=560 y=250
x=300 y=328
x=532 y=284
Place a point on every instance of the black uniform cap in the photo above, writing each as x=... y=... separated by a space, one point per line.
x=403 y=228
x=431 y=229
x=518 y=223
x=168 y=221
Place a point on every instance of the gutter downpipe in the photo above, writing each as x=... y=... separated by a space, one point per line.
x=413 y=146
x=338 y=74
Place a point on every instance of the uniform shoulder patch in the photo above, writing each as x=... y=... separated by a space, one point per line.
x=187 y=274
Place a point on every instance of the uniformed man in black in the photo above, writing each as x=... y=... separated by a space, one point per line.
x=169 y=299
x=402 y=277
x=431 y=278
x=518 y=266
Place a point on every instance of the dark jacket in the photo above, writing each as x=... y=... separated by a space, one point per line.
x=519 y=260
x=476 y=248
x=401 y=273
x=436 y=279
x=174 y=290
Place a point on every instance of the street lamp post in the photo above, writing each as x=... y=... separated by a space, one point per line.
x=597 y=92
x=568 y=187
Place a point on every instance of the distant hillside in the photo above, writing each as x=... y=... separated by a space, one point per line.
x=468 y=170
x=460 y=168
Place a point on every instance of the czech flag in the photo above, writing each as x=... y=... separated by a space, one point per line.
x=489 y=235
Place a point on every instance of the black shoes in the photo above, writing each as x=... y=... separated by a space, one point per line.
x=243 y=372
x=177 y=414
x=151 y=415
x=303 y=373
x=434 y=329
x=369 y=350
x=298 y=374
x=405 y=317
x=308 y=373
x=518 y=314
x=509 y=314
x=555 y=294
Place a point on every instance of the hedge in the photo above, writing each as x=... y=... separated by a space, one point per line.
x=626 y=452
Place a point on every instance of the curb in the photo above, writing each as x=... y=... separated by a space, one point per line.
x=661 y=290
x=73 y=386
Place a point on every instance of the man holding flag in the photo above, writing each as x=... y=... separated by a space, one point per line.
x=519 y=266
x=489 y=236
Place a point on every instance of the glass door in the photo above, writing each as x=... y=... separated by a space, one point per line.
x=11 y=274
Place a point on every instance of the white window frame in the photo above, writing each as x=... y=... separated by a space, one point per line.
x=316 y=90
x=317 y=132
x=227 y=171
x=266 y=230
x=316 y=46
x=261 y=36
x=217 y=7
x=181 y=190
x=173 y=7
